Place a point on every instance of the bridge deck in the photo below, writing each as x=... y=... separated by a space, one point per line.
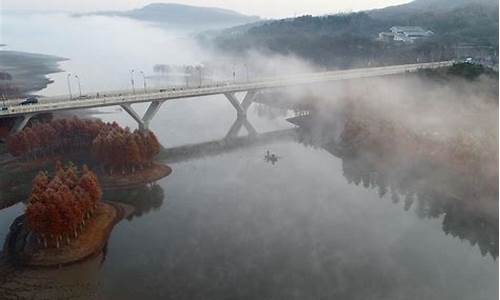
x=50 y=104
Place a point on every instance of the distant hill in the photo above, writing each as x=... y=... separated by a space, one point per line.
x=185 y=15
x=423 y=6
x=347 y=40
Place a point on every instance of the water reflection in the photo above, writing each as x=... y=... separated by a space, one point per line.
x=78 y=281
x=468 y=207
x=241 y=122
x=9 y=197
x=218 y=147
x=144 y=199
x=15 y=186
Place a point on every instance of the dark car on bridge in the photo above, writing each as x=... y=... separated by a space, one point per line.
x=30 y=100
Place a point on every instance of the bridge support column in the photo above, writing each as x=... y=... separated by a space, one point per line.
x=20 y=123
x=241 y=110
x=144 y=121
x=241 y=107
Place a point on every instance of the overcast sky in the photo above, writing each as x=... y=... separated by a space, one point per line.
x=263 y=8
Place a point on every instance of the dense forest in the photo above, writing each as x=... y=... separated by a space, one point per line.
x=350 y=39
x=137 y=149
x=463 y=150
x=59 y=206
x=102 y=141
x=57 y=136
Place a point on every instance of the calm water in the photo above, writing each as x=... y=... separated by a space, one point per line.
x=315 y=225
x=101 y=50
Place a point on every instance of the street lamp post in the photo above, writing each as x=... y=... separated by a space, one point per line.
x=234 y=73
x=79 y=86
x=199 y=69
x=186 y=75
x=246 y=68
x=69 y=86
x=144 y=79
x=132 y=80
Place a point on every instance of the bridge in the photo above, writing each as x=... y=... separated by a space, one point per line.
x=156 y=97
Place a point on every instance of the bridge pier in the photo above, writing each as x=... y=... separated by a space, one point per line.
x=145 y=120
x=20 y=123
x=241 y=110
x=241 y=107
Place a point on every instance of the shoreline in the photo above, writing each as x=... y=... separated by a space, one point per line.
x=132 y=180
x=27 y=72
x=33 y=256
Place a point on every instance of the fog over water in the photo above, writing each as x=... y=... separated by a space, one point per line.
x=314 y=225
x=101 y=50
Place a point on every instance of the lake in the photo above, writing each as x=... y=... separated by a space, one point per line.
x=231 y=225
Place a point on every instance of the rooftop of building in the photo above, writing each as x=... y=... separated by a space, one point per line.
x=407 y=29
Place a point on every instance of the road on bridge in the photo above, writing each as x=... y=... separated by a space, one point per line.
x=50 y=104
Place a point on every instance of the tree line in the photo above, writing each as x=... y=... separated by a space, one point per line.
x=56 y=136
x=136 y=149
x=111 y=146
x=58 y=207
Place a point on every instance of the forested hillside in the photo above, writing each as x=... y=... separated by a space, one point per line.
x=346 y=40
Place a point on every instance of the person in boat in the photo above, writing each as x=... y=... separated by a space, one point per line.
x=272 y=158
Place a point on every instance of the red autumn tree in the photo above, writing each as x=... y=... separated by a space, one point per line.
x=114 y=148
x=59 y=206
x=57 y=136
x=137 y=149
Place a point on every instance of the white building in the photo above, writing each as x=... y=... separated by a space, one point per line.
x=406 y=34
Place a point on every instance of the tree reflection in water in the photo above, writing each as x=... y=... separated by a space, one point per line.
x=78 y=281
x=144 y=199
x=467 y=204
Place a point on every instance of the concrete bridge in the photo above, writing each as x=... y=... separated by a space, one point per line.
x=156 y=98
